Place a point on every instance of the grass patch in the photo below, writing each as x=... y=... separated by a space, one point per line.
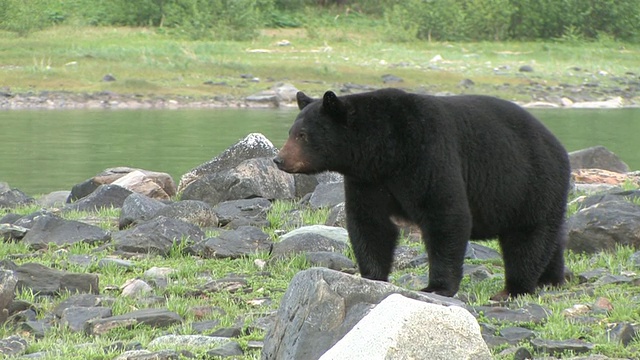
x=336 y=51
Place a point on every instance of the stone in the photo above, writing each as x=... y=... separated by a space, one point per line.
x=528 y=313
x=14 y=198
x=13 y=345
x=135 y=288
x=49 y=229
x=201 y=327
x=252 y=209
x=515 y=334
x=104 y=197
x=138 y=208
x=149 y=183
x=557 y=347
x=180 y=341
x=54 y=199
x=115 y=262
x=584 y=202
x=10 y=232
x=337 y=216
x=320 y=306
x=597 y=157
x=327 y=195
x=230 y=349
x=8 y=283
x=254 y=145
x=230 y=285
x=330 y=260
x=412 y=330
x=590 y=179
x=389 y=79
x=192 y=211
x=233 y=244
x=42 y=280
x=83 y=300
x=158 y=236
x=623 y=332
x=155 y=318
x=259 y=177
x=311 y=239
x=229 y=332
x=75 y=317
x=149 y=355
x=480 y=252
x=525 y=68
x=604 y=226
x=285 y=92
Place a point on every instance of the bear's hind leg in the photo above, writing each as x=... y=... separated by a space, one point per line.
x=372 y=234
x=554 y=273
x=527 y=260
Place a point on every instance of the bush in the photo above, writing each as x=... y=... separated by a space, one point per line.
x=24 y=16
x=516 y=19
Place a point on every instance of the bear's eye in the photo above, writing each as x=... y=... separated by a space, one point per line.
x=302 y=136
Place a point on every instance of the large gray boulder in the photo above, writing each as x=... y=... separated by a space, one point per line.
x=254 y=145
x=252 y=178
x=597 y=157
x=321 y=306
x=49 y=228
x=603 y=226
x=157 y=236
x=412 y=330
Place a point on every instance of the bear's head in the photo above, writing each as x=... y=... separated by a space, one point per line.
x=318 y=138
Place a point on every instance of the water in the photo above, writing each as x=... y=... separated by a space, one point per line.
x=44 y=151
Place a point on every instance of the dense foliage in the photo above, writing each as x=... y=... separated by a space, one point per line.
x=404 y=19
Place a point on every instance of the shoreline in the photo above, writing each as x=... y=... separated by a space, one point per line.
x=107 y=100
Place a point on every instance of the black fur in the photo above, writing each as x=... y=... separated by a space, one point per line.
x=460 y=167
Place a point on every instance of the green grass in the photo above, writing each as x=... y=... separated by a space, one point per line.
x=192 y=272
x=337 y=51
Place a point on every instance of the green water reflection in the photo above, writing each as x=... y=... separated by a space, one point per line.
x=43 y=151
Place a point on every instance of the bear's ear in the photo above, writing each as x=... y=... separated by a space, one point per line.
x=303 y=100
x=333 y=106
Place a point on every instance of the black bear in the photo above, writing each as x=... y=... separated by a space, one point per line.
x=459 y=167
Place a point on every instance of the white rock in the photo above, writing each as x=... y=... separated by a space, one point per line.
x=401 y=328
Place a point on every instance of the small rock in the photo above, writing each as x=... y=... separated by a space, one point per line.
x=13 y=345
x=138 y=208
x=390 y=79
x=75 y=317
x=46 y=281
x=108 y=78
x=48 y=229
x=229 y=349
x=554 y=347
x=525 y=68
x=623 y=333
x=156 y=318
x=13 y=198
x=177 y=341
x=327 y=195
x=135 y=288
x=330 y=260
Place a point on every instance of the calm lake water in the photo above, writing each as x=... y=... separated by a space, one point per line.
x=44 y=151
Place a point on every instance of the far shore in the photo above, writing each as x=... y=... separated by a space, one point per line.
x=63 y=100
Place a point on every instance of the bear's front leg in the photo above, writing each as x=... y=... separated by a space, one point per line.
x=372 y=234
x=446 y=236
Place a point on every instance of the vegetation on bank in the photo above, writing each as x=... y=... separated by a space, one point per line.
x=191 y=272
x=334 y=52
x=442 y=20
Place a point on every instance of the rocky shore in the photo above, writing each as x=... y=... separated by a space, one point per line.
x=224 y=212
x=614 y=92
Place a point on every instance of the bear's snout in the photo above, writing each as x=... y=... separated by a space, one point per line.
x=279 y=162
